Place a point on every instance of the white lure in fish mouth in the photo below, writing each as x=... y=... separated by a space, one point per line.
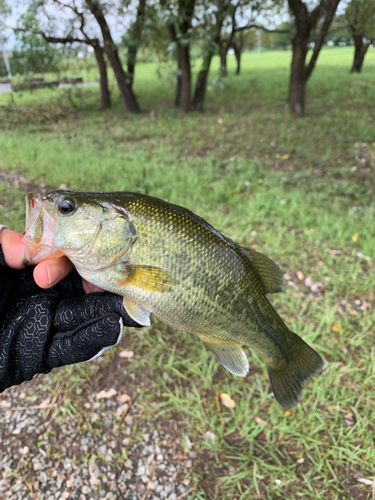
x=40 y=228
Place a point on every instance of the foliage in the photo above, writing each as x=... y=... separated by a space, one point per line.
x=360 y=15
x=339 y=32
x=33 y=54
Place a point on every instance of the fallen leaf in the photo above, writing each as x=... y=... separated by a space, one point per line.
x=300 y=275
x=106 y=394
x=120 y=410
x=126 y=354
x=364 y=480
x=337 y=364
x=294 y=285
x=260 y=421
x=123 y=398
x=261 y=437
x=349 y=419
x=94 y=472
x=285 y=157
x=355 y=237
x=211 y=436
x=227 y=401
x=361 y=256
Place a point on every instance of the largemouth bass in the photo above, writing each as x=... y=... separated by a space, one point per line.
x=165 y=260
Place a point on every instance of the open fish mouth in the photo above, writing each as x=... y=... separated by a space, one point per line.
x=38 y=237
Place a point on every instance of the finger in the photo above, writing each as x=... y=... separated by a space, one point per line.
x=50 y=272
x=13 y=248
x=90 y=288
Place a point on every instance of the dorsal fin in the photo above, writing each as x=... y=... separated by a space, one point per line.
x=268 y=271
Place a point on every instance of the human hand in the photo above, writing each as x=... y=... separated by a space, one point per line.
x=46 y=274
x=41 y=329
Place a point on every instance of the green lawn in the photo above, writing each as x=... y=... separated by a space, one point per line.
x=301 y=191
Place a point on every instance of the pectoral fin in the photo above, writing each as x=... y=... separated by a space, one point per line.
x=231 y=356
x=148 y=278
x=137 y=312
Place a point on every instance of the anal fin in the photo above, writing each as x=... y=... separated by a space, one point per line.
x=137 y=312
x=231 y=356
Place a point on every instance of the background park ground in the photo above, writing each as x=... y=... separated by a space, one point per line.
x=300 y=191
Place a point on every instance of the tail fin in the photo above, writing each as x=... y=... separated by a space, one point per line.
x=301 y=367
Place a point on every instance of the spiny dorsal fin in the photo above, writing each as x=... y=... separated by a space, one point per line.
x=269 y=272
x=231 y=356
x=137 y=312
x=149 y=278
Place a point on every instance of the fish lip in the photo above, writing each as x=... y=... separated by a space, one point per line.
x=38 y=236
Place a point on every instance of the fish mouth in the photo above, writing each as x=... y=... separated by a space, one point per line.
x=38 y=237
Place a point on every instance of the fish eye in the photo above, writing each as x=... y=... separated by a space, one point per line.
x=66 y=206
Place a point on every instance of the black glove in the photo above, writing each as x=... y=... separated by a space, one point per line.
x=43 y=329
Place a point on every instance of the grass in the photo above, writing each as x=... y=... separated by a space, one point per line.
x=296 y=190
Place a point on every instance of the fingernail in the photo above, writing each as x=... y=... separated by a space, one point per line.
x=54 y=273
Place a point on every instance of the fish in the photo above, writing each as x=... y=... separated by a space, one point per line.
x=166 y=261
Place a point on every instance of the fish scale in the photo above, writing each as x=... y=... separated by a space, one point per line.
x=165 y=260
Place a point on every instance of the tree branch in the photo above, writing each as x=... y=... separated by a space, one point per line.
x=259 y=27
x=332 y=6
x=63 y=40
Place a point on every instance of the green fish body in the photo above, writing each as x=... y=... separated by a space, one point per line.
x=165 y=260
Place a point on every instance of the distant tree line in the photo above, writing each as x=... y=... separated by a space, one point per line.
x=173 y=27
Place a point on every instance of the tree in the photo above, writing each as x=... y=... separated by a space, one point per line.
x=211 y=28
x=219 y=33
x=98 y=10
x=305 y=22
x=178 y=16
x=73 y=30
x=86 y=24
x=360 y=15
x=5 y=10
x=226 y=36
x=133 y=39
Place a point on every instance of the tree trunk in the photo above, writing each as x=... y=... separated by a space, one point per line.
x=305 y=22
x=237 y=53
x=178 y=87
x=298 y=79
x=185 y=78
x=201 y=85
x=223 y=48
x=135 y=40
x=104 y=90
x=111 y=51
x=359 y=53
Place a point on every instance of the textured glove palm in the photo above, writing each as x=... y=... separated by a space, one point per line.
x=43 y=329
